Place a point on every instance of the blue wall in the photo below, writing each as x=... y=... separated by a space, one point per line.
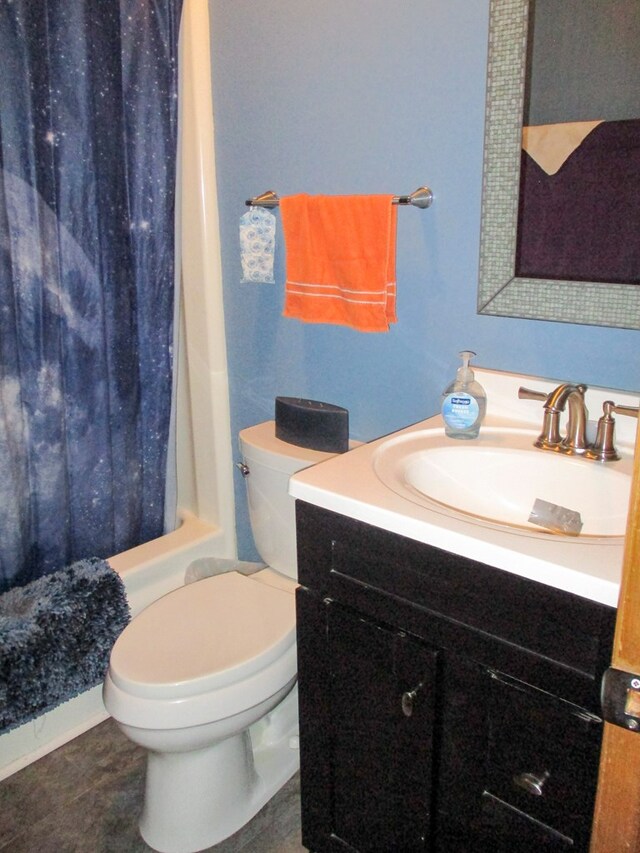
x=371 y=96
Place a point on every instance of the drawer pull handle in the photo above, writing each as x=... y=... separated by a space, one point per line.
x=531 y=783
x=408 y=698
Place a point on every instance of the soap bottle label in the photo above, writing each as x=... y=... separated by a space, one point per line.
x=460 y=410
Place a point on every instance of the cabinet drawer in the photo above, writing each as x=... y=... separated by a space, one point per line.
x=542 y=759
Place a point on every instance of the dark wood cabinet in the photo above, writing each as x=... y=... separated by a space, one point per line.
x=444 y=705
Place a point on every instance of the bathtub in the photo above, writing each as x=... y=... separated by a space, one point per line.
x=148 y=572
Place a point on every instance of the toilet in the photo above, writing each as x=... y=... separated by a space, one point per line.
x=205 y=677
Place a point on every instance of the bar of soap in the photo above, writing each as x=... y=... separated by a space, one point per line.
x=558 y=519
x=312 y=424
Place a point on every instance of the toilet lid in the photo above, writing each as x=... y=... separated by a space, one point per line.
x=203 y=636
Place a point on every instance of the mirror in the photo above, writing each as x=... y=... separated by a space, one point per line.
x=501 y=291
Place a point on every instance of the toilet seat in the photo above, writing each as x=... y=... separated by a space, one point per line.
x=203 y=637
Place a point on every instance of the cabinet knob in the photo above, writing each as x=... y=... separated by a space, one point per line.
x=531 y=783
x=408 y=698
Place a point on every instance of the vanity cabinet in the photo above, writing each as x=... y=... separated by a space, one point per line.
x=444 y=705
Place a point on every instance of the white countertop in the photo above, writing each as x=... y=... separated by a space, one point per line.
x=347 y=484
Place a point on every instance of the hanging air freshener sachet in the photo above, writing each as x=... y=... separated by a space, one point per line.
x=257 y=245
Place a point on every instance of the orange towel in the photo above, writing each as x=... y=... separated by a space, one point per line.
x=341 y=258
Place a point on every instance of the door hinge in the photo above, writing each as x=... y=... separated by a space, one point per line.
x=620 y=697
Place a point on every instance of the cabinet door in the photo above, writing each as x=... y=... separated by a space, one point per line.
x=382 y=687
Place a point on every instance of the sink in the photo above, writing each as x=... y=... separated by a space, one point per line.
x=496 y=479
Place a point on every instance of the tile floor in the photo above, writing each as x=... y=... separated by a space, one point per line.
x=86 y=796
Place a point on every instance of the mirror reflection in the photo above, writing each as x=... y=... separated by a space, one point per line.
x=501 y=291
x=579 y=206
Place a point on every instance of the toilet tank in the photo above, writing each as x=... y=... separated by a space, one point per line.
x=271 y=509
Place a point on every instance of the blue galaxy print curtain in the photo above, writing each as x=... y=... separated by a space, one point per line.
x=88 y=114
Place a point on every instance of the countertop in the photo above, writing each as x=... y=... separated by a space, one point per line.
x=347 y=484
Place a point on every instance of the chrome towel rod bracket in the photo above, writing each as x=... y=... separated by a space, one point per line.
x=422 y=198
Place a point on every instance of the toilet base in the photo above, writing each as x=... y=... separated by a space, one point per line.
x=196 y=799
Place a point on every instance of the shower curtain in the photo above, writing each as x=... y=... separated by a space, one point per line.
x=88 y=122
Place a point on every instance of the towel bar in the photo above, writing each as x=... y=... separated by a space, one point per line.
x=422 y=198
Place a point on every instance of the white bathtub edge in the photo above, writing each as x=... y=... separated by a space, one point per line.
x=148 y=572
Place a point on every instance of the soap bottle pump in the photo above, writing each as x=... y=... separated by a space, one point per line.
x=464 y=402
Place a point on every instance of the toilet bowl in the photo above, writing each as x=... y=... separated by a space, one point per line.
x=205 y=678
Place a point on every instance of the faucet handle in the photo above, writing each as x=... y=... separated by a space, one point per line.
x=632 y=411
x=529 y=394
x=549 y=438
x=603 y=448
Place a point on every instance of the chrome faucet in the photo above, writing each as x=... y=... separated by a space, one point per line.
x=575 y=442
x=564 y=396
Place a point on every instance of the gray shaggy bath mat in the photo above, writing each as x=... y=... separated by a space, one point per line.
x=56 y=635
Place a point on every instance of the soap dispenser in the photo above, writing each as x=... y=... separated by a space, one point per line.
x=464 y=402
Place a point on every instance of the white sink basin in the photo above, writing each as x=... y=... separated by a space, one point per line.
x=496 y=479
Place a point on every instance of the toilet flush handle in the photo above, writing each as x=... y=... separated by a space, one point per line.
x=244 y=469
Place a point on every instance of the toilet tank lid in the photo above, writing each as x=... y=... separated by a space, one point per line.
x=259 y=443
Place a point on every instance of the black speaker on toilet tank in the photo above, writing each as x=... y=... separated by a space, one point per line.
x=312 y=424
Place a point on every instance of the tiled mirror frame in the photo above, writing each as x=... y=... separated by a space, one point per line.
x=500 y=292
